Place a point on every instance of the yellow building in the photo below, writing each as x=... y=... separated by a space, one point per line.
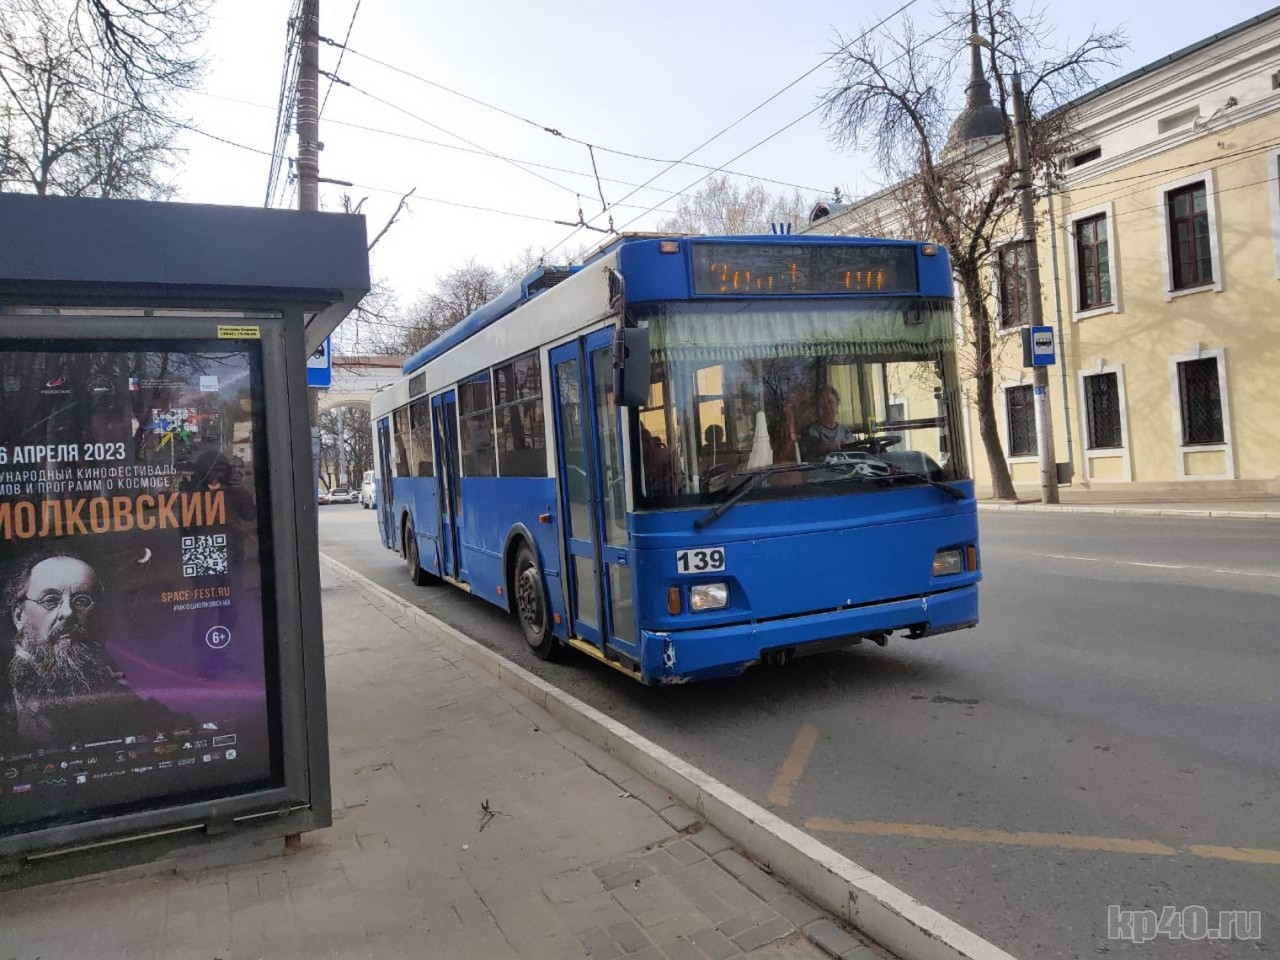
x=1160 y=262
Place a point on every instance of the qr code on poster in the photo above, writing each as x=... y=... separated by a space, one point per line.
x=202 y=556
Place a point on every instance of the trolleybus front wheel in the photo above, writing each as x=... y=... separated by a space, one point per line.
x=532 y=608
x=419 y=576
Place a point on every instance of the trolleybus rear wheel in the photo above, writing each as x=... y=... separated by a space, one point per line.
x=531 y=605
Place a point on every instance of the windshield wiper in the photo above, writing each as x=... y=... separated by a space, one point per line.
x=850 y=470
x=954 y=492
x=749 y=484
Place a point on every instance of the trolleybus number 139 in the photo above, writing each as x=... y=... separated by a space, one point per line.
x=704 y=560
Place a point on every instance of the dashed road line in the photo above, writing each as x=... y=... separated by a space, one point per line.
x=1268 y=574
x=793 y=767
x=1239 y=854
x=1064 y=841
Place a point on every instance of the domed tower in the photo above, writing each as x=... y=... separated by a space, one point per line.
x=980 y=120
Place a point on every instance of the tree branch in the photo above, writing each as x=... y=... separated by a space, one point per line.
x=395 y=216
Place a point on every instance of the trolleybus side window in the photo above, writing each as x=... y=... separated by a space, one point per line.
x=522 y=438
x=400 y=422
x=420 y=437
x=475 y=416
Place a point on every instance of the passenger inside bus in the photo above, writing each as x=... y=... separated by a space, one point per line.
x=659 y=477
x=716 y=460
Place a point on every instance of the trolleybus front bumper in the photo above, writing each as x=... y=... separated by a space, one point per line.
x=680 y=656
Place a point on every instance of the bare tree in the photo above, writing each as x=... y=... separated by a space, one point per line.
x=720 y=208
x=78 y=118
x=456 y=296
x=373 y=326
x=892 y=96
x=150 y=42
x=380 y=325
x=346 y=439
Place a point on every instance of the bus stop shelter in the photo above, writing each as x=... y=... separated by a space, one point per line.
x=161 y=658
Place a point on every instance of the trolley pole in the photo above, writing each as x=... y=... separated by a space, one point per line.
x=1044 y=420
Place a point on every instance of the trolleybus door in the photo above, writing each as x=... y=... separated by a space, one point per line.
x=444 y=419
x=387 y=530
x=593 y=503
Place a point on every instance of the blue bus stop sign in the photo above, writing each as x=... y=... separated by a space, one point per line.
x=1038 y=347
x=320 y=367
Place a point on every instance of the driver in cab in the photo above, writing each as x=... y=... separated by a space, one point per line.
x=826 y=434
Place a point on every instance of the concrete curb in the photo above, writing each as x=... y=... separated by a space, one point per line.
x=829 y=879
x=1131 y=511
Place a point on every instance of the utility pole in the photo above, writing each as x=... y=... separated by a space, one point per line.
x=309 y=108
x=309 y=165
x=1044 y=421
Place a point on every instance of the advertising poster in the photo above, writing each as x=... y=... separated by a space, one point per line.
x=135 y=574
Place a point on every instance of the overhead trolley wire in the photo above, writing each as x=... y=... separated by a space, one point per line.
x=458 y=136
x=563 y=136
x=445 y=146
x=342 y=51
x=900 y=9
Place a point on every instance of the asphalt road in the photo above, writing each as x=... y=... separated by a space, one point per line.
x=1107 y=736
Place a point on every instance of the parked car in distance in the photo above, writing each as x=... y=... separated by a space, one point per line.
x=325 y=496
x=344 y=495
x=366 y=490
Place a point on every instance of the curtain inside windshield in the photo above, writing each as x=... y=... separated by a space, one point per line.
x=847 y=393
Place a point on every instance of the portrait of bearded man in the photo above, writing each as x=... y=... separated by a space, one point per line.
x=63 y=685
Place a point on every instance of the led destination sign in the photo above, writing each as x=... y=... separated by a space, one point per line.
x=803 y=269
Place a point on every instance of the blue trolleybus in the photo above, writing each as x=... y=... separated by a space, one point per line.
x=691 y=455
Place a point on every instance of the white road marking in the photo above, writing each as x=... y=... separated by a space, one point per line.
x=1165 y=566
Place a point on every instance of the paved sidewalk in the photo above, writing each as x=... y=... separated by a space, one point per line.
x=468 y=824
x=1118 y=504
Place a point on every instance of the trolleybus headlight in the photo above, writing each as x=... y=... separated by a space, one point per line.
x=708 y=596
x=946 y=562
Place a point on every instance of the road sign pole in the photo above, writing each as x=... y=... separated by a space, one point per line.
x=1044 y=419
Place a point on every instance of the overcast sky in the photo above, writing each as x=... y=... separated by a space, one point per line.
x=654 y=78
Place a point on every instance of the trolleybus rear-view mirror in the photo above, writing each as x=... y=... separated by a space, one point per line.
x=631 y=366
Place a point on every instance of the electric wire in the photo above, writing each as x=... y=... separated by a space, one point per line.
x=176 y=124
x=458 y=136
x=472 y=206
x=557 y=133
x=285 y=101
x=341 y=53
x=1081 y=185
x=458 y=203
x=865 y=33
x=586 y=175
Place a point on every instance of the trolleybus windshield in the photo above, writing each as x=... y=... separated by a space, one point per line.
x=846 y=390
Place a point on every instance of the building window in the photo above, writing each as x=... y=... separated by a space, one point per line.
x=1189 y=248
x=1093 y=263
x=475 y=418
x=1011 y=275
x=1020 y=406
x=522 y=437
x=1200 y=401
x=1102 y=410
x=1086 y=156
